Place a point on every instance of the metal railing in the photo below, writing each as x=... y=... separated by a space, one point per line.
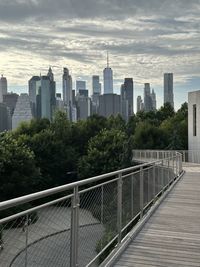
x=80 y=223
x=191 y=156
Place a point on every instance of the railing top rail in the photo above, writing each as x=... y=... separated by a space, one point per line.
x=45 y=193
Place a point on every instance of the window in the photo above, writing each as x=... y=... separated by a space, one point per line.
x=194 y=120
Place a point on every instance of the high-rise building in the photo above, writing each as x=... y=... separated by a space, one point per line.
x=139 y=104
x=83 y=107
x=168 y=89
x=3 y=87
x=80 y=85
x=153 y=98
x=108 y=79
x=10 y=100
x=96 y=86
x=32 y=93
x=147 y=97
x=127 y=94
x=96 y=92
x=4 y=118
x=110 y=104
x=22 y=111
x=52 y=92
x=67 y=87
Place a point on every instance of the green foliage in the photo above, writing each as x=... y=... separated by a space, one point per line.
x=107 y=151
x=148 y=136
x=18 y=172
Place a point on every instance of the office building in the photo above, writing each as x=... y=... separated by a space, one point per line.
x=52 y=92
x=96 y=86
x=32 y=93
x=3 y=87
x=168 y=89
x=10 y=100
x=22 y=112
x=96 y=92
x=83 y=107
x=5 y=118
x=127 y=94
x=108 y=79
x=153 y=99
x=147 y=98
x=67 y=87
x=139 y=104
x=110 y=104
x=80 y=85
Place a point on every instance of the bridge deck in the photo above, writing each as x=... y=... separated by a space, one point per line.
x=172 y=235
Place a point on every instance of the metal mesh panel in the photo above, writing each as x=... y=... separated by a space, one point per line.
x=99 y=209
x=127 y=200
x=43 y=238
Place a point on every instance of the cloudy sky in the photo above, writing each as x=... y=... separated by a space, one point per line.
x=145 y=38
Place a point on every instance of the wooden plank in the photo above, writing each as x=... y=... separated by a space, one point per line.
x=172 y=235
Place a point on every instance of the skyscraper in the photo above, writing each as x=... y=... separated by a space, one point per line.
x=153 y=98
x=96 y=92
x=147 y=97
x=32 y=93
x=139 y=104
x=52 y=92
x=108 y=79
x=22 y=111
x=96 y=86
x=110 y=104
x=127 y=94
x=67 y=87
x=168 y=88
x=3 y=87
x=80 y=85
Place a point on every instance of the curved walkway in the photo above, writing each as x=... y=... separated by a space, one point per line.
x=171 y=237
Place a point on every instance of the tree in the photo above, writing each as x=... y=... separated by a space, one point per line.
x=18 y=172
x=148 y=136
x=107 y=151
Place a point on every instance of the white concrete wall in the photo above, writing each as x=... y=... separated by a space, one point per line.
x=193 y=141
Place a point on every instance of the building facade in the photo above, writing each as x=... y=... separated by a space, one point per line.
x=22 y=112
x=147 y=97
x=168 y=89
x=108 y=79
x=3 y=87
x=194 y=121
x=110 y=104
x=127 y=94
x=67 y=87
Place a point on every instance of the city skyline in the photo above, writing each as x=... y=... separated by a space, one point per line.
x=144 y=41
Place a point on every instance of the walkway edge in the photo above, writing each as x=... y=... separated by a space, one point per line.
x=115 y=254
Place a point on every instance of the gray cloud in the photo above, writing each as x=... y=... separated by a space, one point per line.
x=18 y=10
x=144 y=38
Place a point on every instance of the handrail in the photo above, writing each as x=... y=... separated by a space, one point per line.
x=48 y=192
x=116 y=204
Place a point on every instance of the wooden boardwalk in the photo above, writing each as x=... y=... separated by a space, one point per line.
x=171 y=237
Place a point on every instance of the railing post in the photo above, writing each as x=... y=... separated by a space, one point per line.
x=176 y=164
x=119 y=207
x=168 y=168
x=26 y=232
x=141 y=191
x=162 y=176
x=132 y=188
x=154 y=181
x=74 y=228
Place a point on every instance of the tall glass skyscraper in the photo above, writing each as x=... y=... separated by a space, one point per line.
x=67 y=87
x=168 y=89
x=108 y=79
x=3 y=87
